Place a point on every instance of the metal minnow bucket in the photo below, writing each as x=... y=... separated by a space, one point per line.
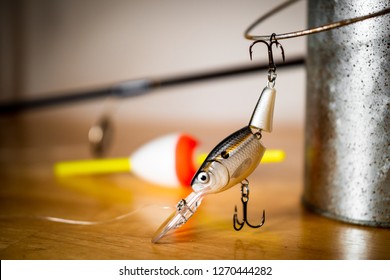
x=347 y=134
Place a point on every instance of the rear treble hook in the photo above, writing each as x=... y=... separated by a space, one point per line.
x=271 y=63
x=244 y=199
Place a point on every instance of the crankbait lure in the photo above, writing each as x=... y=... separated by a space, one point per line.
x=232 y=160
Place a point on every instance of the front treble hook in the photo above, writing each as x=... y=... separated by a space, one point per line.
x=271 y=65
x=244 y=199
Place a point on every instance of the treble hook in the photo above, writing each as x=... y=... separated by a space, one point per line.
x=271 y=63
x=244 y=200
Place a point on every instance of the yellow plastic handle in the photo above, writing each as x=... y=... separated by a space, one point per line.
x=95 y=166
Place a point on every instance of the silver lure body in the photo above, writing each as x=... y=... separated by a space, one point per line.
x=228 y=164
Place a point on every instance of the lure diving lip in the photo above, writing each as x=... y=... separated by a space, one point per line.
x=185 y=209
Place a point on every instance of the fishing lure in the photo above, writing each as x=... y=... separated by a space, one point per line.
x=232 y=160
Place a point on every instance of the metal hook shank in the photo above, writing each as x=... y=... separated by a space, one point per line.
x=244 y=199
x=236 y=222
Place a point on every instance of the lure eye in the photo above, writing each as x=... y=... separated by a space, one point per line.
x=203 y=177
x=225 y=154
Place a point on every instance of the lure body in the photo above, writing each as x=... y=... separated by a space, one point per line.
x=229 y=163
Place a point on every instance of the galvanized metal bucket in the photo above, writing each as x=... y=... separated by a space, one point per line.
x=347 y=136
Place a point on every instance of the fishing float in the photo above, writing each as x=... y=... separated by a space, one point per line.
x=169 y=160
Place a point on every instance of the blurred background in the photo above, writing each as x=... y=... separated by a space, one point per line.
x=52 y=47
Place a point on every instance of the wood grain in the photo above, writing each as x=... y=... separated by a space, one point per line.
x=29 y=191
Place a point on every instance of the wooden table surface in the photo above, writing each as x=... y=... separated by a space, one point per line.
x=30 y=194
